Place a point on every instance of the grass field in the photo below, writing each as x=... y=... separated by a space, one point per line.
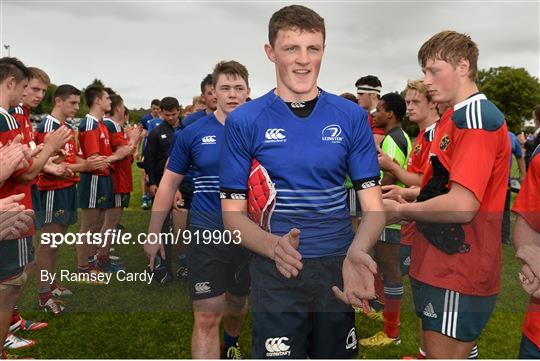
x=135 y=320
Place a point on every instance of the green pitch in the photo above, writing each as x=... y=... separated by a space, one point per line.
x=136 y=320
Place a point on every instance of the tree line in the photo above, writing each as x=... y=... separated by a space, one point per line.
x=513 y=90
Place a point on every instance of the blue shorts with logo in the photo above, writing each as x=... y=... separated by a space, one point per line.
x=95 y=191
x=462 y=317
x=300 y=317
x=216 y=268
x=59 y=206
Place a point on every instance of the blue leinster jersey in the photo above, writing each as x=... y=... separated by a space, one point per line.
x=308 y=159
x=197 y=149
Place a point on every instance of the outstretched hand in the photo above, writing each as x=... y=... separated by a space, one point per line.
x=359 y=271
x=286 y=255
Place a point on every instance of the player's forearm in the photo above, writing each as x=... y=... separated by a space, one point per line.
x=440 y=209
x=159 y=210
x=410 y=194
x=120 y=153
x=162 y=203
x=369 y=230
x=252 y=236
x=524 y=235
x=149 y=168
x=37 y=165
x=48 y=168
x=152 y=177
x=373 y=219
x=405 y=177
x=79 y=167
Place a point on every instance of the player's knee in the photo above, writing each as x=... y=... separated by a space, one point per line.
x=207 y=321
x=9 y=294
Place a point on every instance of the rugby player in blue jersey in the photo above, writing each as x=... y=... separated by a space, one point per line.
x=218 y=276
x=155 y=109
x=308 y=265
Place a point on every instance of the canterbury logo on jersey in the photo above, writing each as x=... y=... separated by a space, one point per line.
x=209 y=139
x=239 y=196
x=275 y=135
x=331 y=133
x=202 y=287
x=277 y=347
x=297 y=105
x=369 y=184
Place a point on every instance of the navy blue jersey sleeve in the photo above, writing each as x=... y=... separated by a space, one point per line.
x=236 y=156
x=180 y=157
x=363 y=163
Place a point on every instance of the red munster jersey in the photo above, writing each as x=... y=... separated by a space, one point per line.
x=22 y=115
x=122 y=174
x=47 y=181
x=527 y=205
x=379 y=131
x=94 y=139
x=471 y=142
x=418 y=161
x=9 y=129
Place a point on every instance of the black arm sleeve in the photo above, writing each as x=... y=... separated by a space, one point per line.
x=152 y=149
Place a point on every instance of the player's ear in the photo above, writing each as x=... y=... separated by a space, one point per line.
x=270 y=52
x=11 y=82
x=463 y=67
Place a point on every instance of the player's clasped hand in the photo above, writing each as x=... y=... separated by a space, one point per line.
x=391 y=210
x=385 y=162
x=530 y=254
x=178 y=201
x=58 y=138
x=13 y=158
x=286 y=255
x=529 y=282
x=15 y=219
x=97 y=162
x=358 y=278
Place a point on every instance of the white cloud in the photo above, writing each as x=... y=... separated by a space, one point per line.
x=155 y=49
